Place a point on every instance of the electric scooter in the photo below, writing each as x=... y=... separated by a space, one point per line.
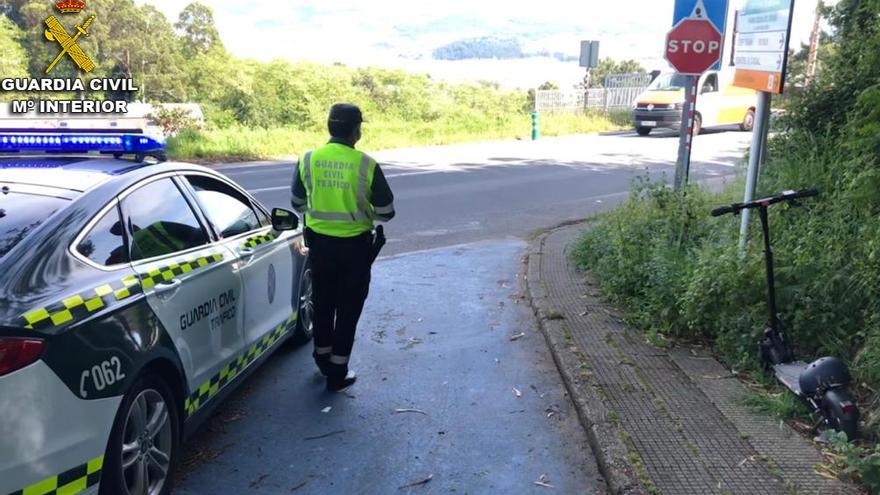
x=823 y=383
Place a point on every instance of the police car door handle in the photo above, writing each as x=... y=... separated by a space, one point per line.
x=168 y=286
x=246 y=254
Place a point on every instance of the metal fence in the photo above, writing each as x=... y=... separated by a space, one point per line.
x=635 y=80
x=620 y=91
x=572 y=100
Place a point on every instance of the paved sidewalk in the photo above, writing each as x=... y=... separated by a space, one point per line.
x=660 y=421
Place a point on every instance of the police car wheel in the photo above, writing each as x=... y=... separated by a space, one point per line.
x=144 y=442
x=305 y=326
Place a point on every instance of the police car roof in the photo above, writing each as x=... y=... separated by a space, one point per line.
x=73 y=173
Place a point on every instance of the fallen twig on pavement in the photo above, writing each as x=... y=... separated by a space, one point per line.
x=410 y=410
x=325 y=435
x=417 y=483
x=544 y=481
x=256 y=483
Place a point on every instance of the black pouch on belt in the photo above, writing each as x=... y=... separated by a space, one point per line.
x=378 y=242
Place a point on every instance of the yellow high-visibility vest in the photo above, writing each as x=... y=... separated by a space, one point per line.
x=338 y=180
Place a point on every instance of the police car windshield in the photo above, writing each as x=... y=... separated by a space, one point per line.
x=668 y=81
x=21 y=213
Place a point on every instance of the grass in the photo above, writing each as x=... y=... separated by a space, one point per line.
x=783 y=404
x=246 y=143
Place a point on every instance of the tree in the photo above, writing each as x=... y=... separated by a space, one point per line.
x=138 y=43
x=174 y=120
x=13 y=61
x=197 y=31
x=610 y=66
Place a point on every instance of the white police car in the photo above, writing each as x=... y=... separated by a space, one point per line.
x=133 y=298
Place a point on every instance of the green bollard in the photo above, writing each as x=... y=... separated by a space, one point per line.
x=535 y=133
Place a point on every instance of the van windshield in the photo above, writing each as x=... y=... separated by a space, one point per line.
x=668 y=81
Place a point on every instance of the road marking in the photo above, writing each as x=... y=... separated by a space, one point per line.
x=264 y=189
x=423 y=172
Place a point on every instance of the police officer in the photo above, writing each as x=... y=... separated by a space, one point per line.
x=341 y=191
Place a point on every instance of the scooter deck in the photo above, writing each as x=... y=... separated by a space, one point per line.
x=789 y=374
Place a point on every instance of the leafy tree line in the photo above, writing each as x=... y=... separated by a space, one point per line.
x=187 y=62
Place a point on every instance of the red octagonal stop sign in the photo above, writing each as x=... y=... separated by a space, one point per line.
x=693 y=45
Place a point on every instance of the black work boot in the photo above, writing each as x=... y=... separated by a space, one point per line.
x=323 y=362
x=340 y=378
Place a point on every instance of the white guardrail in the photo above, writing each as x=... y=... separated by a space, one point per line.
x=620 y=91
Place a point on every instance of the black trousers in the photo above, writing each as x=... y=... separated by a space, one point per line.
x=340 y=284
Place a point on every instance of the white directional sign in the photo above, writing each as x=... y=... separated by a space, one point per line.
x=762 y=61
x=760 y=42
x=760 y=53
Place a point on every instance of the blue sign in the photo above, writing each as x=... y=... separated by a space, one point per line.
x=714 y=10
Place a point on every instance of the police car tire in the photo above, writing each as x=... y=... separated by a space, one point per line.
x=303 y=332
x=112 y=477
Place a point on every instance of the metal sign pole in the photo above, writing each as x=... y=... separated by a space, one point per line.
x=685 y=134
x=759 y=138
x=692 y=114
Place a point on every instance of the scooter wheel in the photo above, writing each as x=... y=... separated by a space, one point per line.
x=841 y=412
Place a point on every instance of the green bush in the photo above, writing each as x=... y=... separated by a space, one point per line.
x=240 y=142
x=854 y=462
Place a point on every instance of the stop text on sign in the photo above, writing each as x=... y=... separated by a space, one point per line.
x=691 y=46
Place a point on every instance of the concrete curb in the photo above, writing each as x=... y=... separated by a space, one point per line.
x=602 y=434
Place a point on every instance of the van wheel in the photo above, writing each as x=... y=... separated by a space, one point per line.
x=698 y=124
x=144 y=442
x=643 y=131
x=748 y=122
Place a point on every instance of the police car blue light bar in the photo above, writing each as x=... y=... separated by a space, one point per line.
x=16 y=141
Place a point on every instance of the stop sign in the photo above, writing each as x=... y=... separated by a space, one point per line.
x=693 y=45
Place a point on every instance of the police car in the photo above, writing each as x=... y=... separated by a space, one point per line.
x=133 y=298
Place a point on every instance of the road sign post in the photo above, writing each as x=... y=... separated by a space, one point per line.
x=589 y=54
x=693 y=45
x=589 y=60
x=758 y=133
x=686 y=136
x=761 y=57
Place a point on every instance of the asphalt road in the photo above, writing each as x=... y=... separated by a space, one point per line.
x=443 y=393
x=487 y=414
x=457 y=194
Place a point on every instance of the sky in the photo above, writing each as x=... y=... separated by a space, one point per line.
x=402 y=34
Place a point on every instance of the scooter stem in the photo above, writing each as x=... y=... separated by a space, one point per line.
x=768 y=258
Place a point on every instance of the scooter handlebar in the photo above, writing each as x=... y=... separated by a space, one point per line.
x=790 y=195
x=724 y=210
x=784 y=196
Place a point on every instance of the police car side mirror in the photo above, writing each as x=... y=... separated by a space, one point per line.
x=284 y=220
